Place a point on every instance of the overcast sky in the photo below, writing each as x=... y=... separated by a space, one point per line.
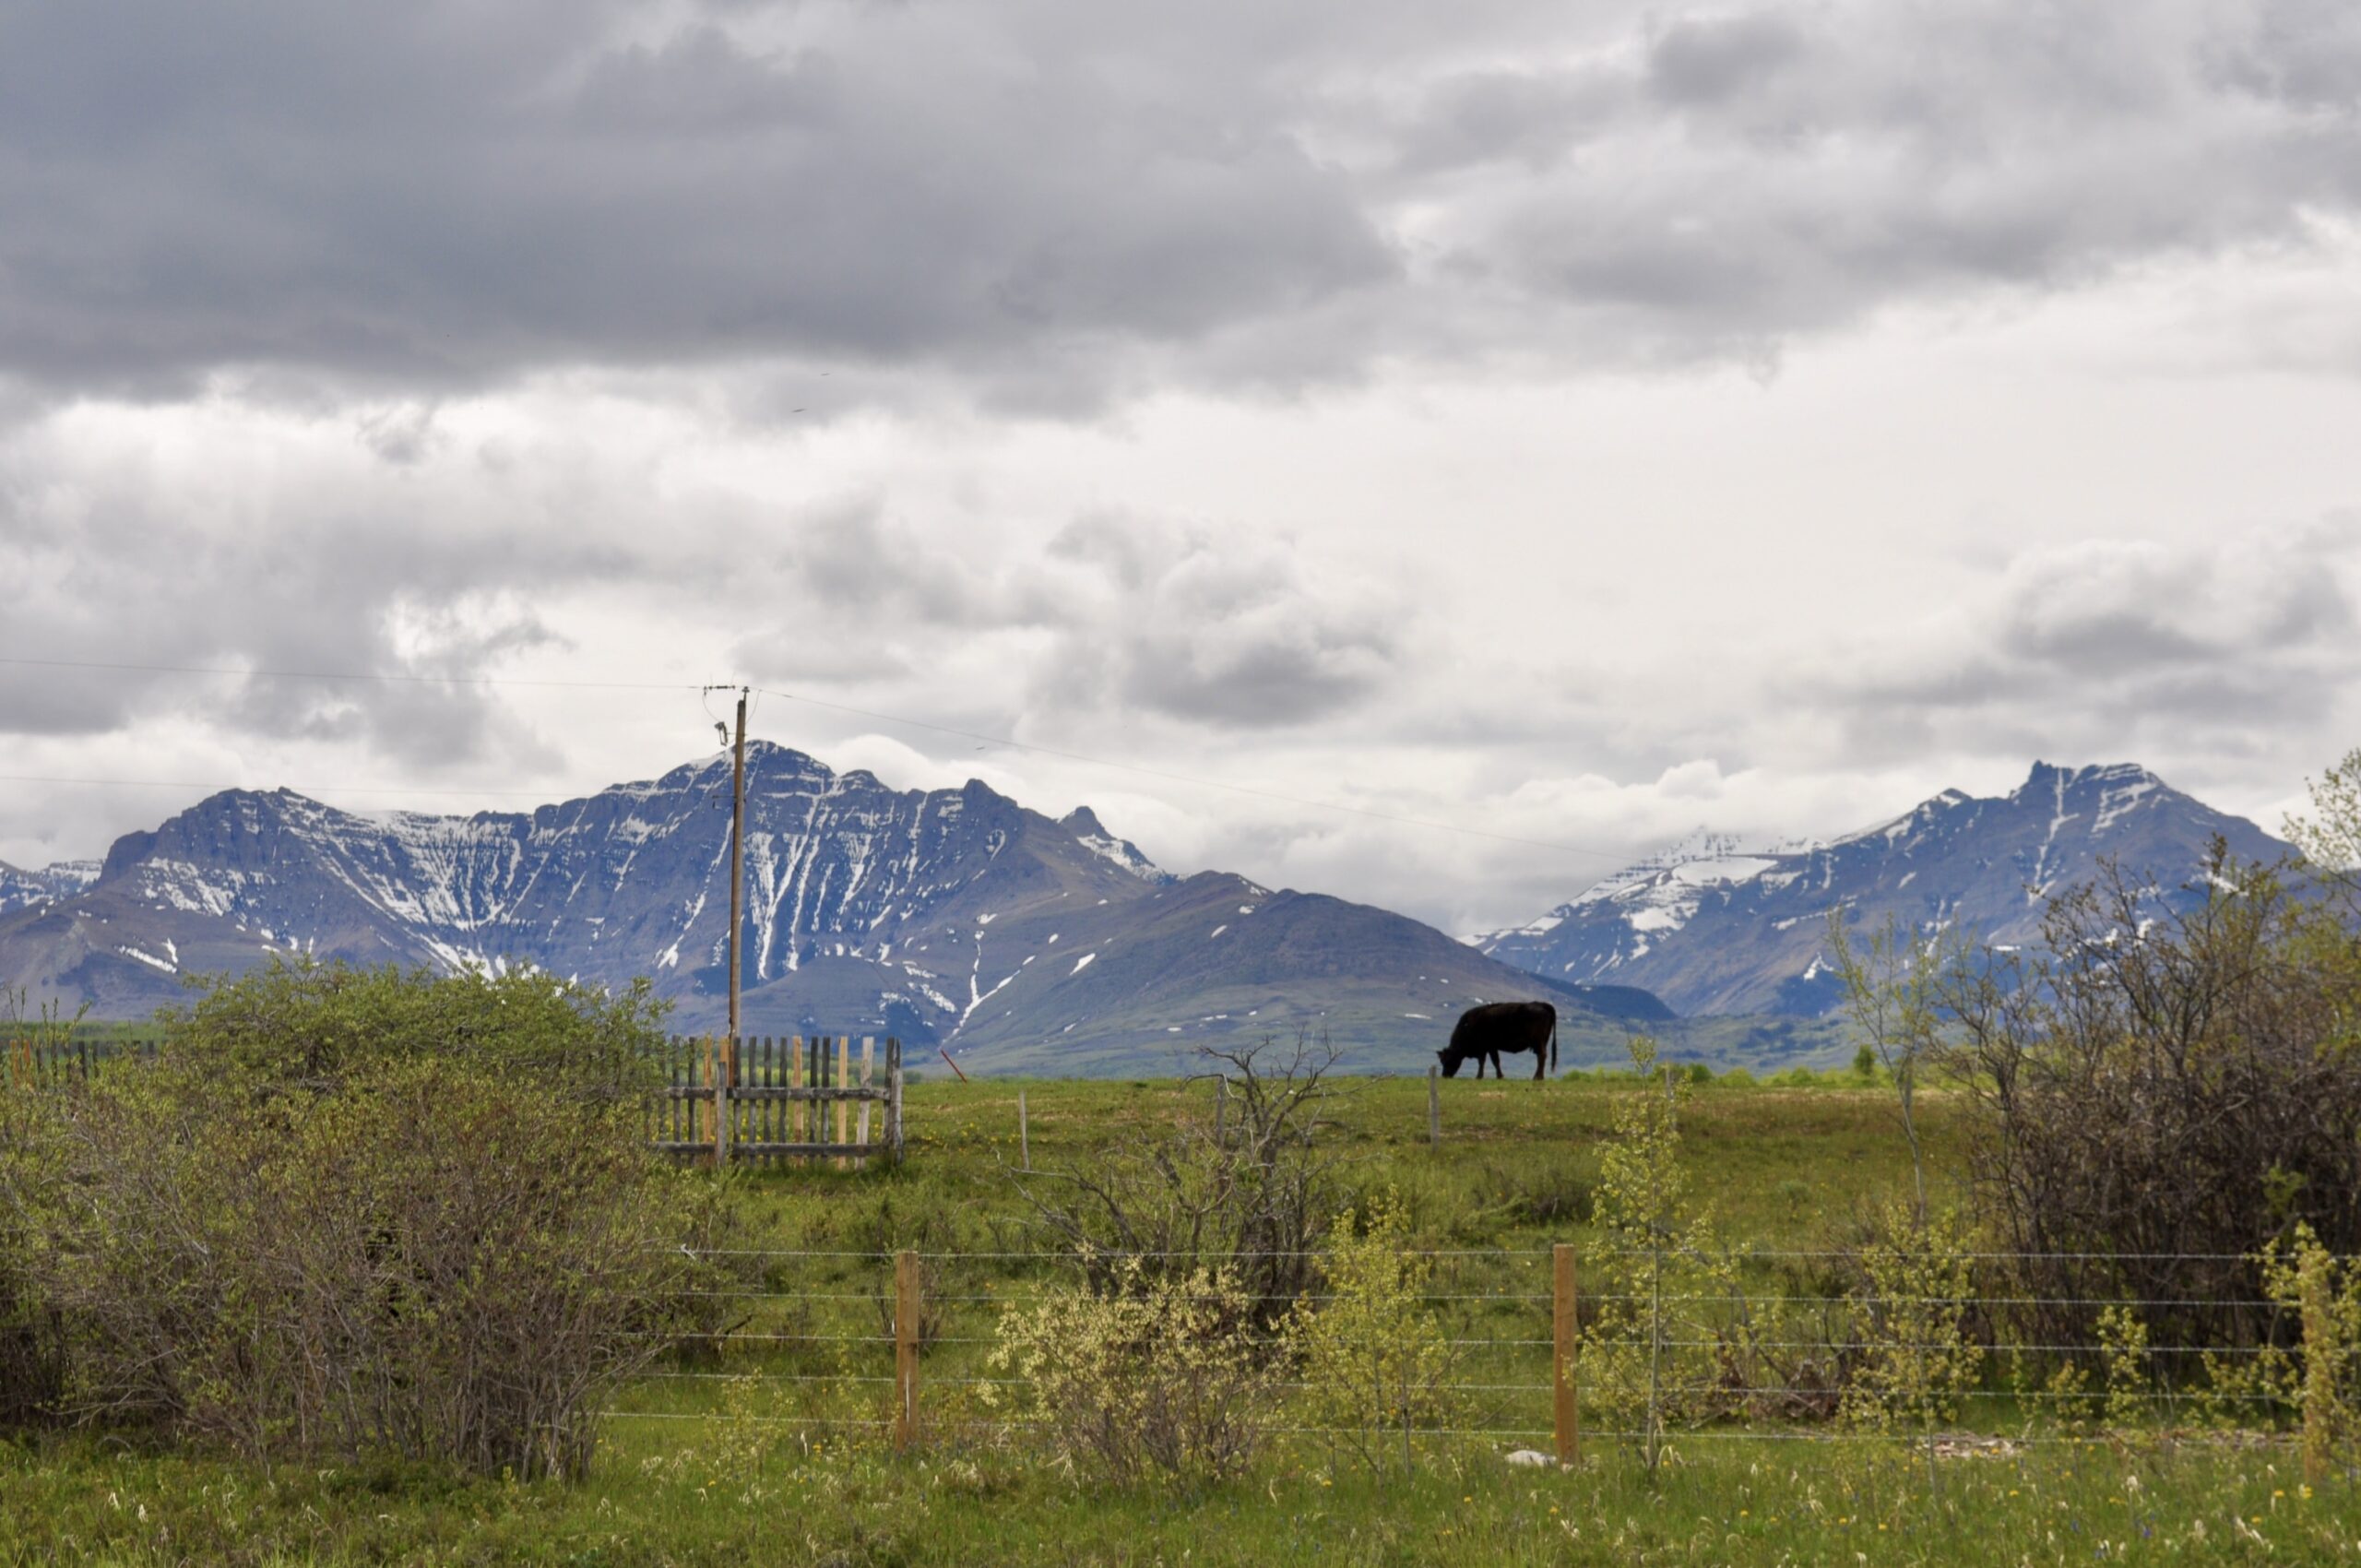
x=1578 y=423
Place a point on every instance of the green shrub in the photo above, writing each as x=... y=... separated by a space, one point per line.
x=1158 y=1376
x=366 y=1214
x=1376 y=1363
x=1246 y=1193
x=297 y=1025
x=1911 y=1298
x=2143 y=1115
x=32 y=1350
x=33 y=1362
x=1658 y=1352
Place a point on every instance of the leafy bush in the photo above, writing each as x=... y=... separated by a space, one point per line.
x=1250 y=1196
x=2158 y=1094
x=1376 y=1362
x=366 y=1213
x=299 y=1026
x=33 y=1364
x=2318 y=1377
x=32 y=1350
x=1673 y=1341
x=1161 y=1375
x=1910 y=1299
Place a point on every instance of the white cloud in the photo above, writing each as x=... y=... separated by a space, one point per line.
x=1576 y=426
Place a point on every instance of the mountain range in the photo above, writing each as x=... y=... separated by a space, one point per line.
x=959 y=918
x=1713 y=927
x=951 y=917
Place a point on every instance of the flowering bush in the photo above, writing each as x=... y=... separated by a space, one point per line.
x=1375 y=1359
x=1155 y=1376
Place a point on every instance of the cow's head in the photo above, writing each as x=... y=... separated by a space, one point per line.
x=1450 y=1061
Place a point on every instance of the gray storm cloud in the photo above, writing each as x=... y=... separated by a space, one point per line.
x=1194 y=385
x=1034 y=205
x=2124 y=642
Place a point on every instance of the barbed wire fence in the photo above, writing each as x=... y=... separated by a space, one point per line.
x=898 y=1347
x=900 y=1344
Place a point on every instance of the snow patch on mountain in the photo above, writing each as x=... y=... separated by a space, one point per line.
x=1092 y=835
x=1713 y=926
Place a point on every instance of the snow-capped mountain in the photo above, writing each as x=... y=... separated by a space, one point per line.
x=60 y=879
x=952 y=915
x=1715 y=928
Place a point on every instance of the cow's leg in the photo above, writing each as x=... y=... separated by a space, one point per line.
x=1540 y=1060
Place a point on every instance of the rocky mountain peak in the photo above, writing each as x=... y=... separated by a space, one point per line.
x=1712 y=928
x=951 y=916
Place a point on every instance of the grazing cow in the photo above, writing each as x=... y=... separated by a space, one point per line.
x=1486 y=1031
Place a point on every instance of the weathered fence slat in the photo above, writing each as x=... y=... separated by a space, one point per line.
x=59 y=1062
x=795 y=1080
x=756 y=1098
x=844 y=1073
x=868 y=1057
x=767 y=1098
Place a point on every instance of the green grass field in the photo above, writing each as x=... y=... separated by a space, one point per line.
x=710 y=1462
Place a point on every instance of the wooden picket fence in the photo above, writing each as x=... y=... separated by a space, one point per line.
x=775 y=1097
x=52 y=1062
x=793 y=1098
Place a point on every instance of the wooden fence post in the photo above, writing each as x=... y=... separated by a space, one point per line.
x=893 y=1084
x=906 y=1348
x=795 y=1081
x=722 y=1066
x=1569 y=1413
x=1434 y=1106
x=844 y=1076
x=701 y=1108
x=867 y=1079
x=1024 y=1132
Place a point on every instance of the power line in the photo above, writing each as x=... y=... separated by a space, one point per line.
x=351 y=676
x=541 y=795
x=1616 y=856
x=1305 y=803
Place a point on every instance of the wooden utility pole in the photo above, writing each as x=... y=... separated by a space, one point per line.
x=737 y=861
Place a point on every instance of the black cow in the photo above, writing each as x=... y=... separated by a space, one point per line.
x=1496 y=1027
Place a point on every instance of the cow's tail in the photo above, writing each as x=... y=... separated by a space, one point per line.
x=1553 y=1039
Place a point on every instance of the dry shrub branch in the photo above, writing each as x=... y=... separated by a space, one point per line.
x=1249 y=1195
x=2156 y=1094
